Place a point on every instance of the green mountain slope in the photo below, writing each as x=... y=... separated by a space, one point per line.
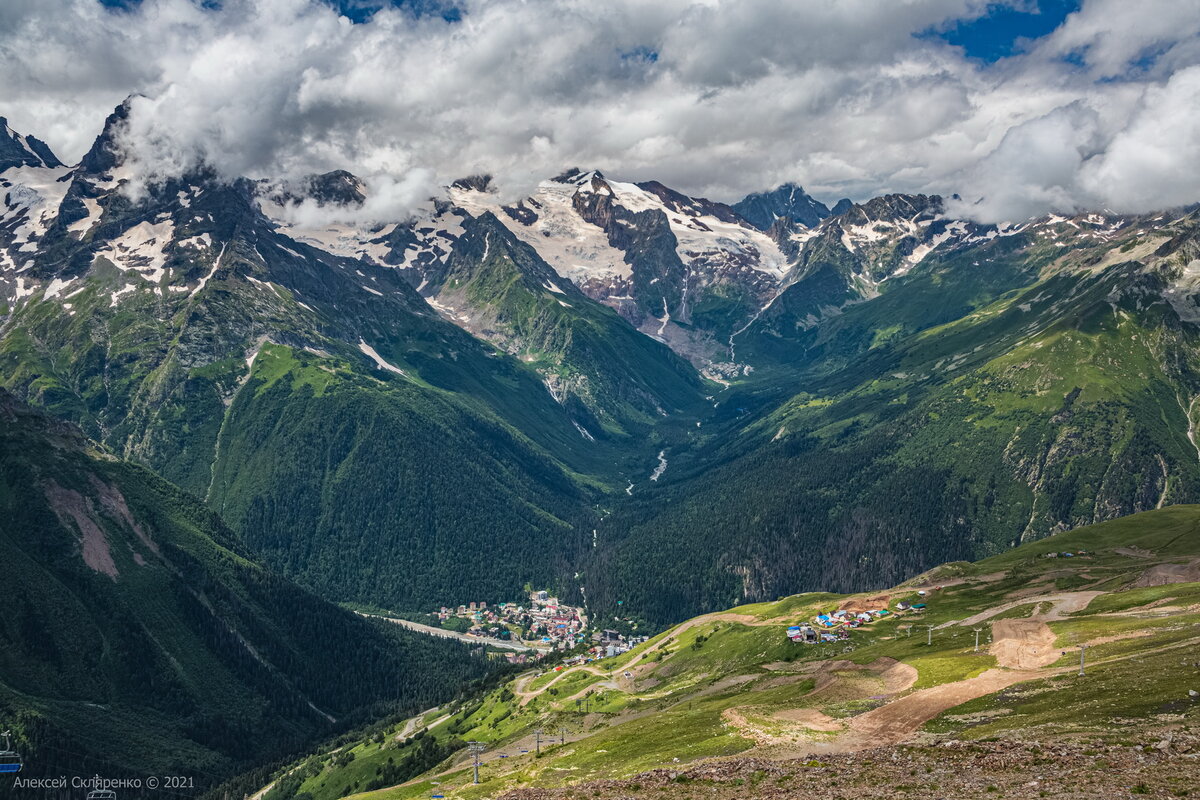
x=991 y=396
x=413 y=497
x=730 y=685
x=137 y=637
x=430 y=441
x=614 y=380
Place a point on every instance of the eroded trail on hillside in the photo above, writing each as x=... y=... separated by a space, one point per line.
x=1061 y=604
x=1023 y=644
x=1024 y=649
x=889 y=724
x=899 y=719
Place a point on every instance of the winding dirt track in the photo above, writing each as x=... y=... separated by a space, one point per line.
x=1163 y=574
x=1061 y=604
x=896 y=721
x=1024 y=650
x=519 y=686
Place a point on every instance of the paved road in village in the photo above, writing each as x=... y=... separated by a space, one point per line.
x=445 y=634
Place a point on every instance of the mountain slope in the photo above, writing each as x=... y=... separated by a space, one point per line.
x=612 y=377
x=143 y=322
x=1001 y=391
x=684 y=270
x=727 y=696
x=23 y=151
x=139 y=638
x=900 y=388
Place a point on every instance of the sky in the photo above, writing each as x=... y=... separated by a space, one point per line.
x=1020 y=108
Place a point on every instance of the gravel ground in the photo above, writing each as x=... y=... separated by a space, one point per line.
x=1161 y=765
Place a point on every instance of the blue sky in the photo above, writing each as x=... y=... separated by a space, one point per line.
x=999 y=33
x=360 y=11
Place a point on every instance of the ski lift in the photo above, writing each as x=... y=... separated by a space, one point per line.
x=101 y=794
x=10 y=762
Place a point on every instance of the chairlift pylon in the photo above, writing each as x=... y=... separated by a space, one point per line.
x=101 y=794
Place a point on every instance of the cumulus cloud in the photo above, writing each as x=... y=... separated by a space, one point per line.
x=714 y=97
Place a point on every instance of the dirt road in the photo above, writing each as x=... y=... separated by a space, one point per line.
x=899 y=719
x=445 y=634
x=1061 y=604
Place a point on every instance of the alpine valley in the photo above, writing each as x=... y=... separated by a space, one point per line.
x=223 y=418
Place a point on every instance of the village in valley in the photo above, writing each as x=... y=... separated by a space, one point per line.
x=544 y=624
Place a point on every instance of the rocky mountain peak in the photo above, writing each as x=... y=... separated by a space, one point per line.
x=338 y=187
x=841 y=207
x=890 y=207
x=788 y=201
x=475 y=183
x=17 y=150
x=105 y=155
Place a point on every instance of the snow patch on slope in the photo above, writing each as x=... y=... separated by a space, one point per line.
x=142 y=249
x=574 y=248
x=82 y=226
x=378 y=359
x=38 y=192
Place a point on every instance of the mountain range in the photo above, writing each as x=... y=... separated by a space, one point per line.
x=652 y=402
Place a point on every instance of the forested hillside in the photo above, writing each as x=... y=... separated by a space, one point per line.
x=138 y=637
x=354 y=439
x=989 y=396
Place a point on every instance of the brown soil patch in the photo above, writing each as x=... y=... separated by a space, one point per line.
x=857 y=604
x=810 y=718
x=1070 y=603
x=1160 y=604
x=794 y=667
x=735 y=719
x=1062 y=603
x=833 y=677
x=899 y=719
x=1023 y=644
x=71 y=506
x=898 y=676
x=1133 y=552
x=1163 y=574
x=779 y=680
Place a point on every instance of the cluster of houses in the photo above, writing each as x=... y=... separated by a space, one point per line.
x=607 y=644
x=806 y=634
x=1066 y=555
x=544 y=622
x=836 y=625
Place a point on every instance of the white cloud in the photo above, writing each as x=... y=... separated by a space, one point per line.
x=737 y=96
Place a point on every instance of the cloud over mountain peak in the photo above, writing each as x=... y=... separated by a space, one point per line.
x=718 y=98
